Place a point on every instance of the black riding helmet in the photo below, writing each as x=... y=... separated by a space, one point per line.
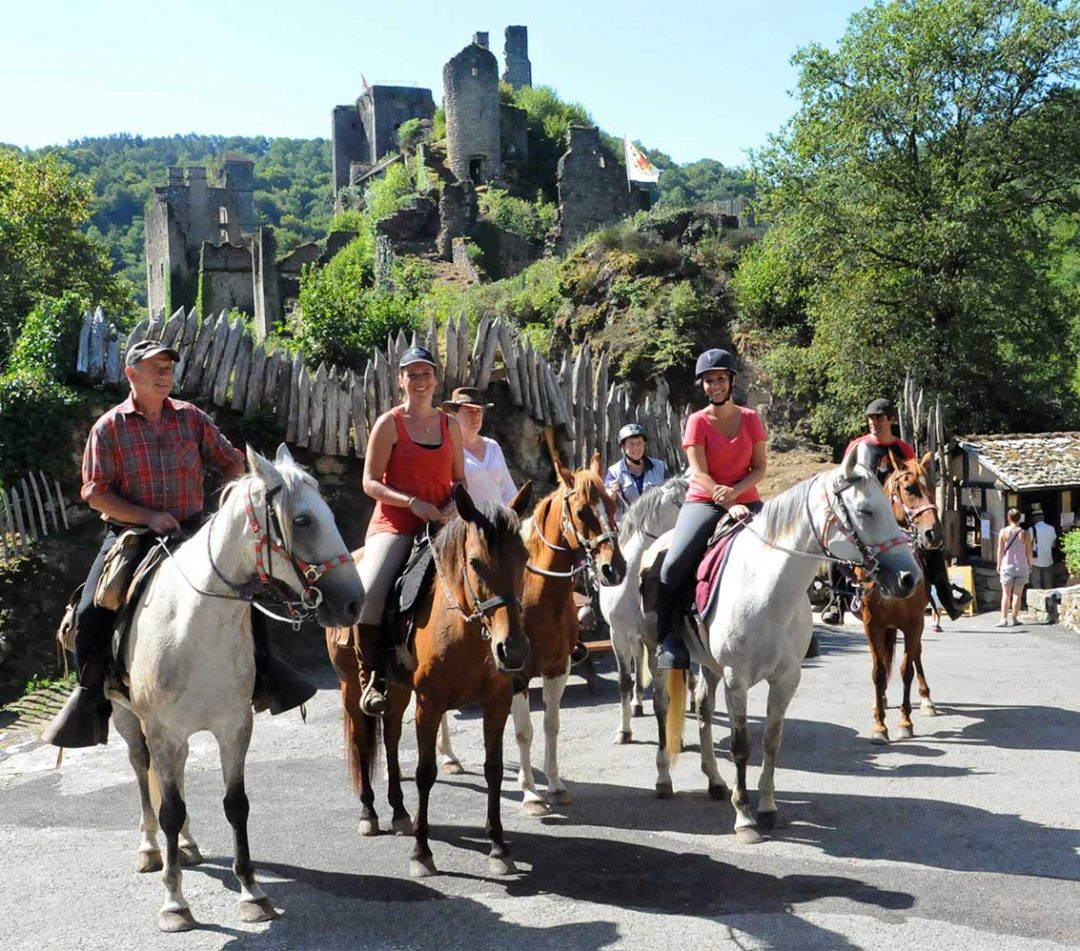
x=632 y=429
x=717 y=360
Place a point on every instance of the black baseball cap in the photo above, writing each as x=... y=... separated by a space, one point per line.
x=145 y=349
x=416 y=355
x=881 y=407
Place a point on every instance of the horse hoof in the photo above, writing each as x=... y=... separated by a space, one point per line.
x=928 y=709
x=748 y=835
x=149 y=862
x=560 y=797
x=172 y=922
x=422 y=868
x=368 y=827
x=623 y=737
x=905 y=733
x=880 y=738
x=766 y=820
x=665 y=791
x=720 y=793
x=638 y=710
x=258 y=909
x=452 y=768
x=401 y=826
x=190 y=855
x=501 y=866
x=535 y=808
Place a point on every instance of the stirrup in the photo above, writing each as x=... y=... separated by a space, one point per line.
x=578 y=653
x=671 y=654
x=373 y=701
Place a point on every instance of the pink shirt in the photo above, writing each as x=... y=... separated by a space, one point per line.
x=728 y=460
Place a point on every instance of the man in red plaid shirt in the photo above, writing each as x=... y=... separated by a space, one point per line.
x=143 y=465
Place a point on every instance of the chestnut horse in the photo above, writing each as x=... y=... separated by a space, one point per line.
x=470 y=640
x=909 y=490
x=572 y=531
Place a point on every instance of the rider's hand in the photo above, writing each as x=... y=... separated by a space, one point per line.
x=739 y=512
x=723 y=495
x=425 y=511
x=162 y=523
x=448 y=511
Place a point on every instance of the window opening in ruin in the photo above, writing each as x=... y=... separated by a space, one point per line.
x=223 y=215
x=476 y=171
x=602 y=165
x=475 y=72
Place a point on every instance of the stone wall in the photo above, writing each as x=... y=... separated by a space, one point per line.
x=457 y=215
x=349 y=143
x=1070 y=608
x=592 y=188
x=518 y=70
x=416 y=222
x=267 y=304
x=507 y=253
x=513 y=136
x=471 y=86
x=226 y=278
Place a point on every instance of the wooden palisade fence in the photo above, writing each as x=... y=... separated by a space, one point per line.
x=331 y=409
x=922 y=425
x=29 y=510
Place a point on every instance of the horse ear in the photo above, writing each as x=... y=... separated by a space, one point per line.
x=851 y=460
x=520 y=502
x=927 y=461
x=466 y=507
x=566 y=477
x=283 y=455
x=263 y=469
x=594 y=465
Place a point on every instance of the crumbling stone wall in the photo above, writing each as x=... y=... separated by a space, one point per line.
x=592 y=188
x=457 y=215
x=226 y=278
x=349 y=143
x=518 y=70
x=471 y=86
x=513 y=137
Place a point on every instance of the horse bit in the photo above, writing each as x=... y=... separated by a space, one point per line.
x=844 y=523
x=585 y=547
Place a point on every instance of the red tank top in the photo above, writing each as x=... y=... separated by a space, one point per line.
x=415 y=470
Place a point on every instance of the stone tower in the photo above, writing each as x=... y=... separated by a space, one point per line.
x=518 y=70
x=471 y=85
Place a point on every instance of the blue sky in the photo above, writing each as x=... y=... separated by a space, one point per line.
x=697 y=79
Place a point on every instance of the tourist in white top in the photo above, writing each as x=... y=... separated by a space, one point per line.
x=486 y=474
x=1043 y=537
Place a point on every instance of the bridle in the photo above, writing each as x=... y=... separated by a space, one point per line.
x=910 y=514
x=583 y=550
x=480 y=609
x=268 y=540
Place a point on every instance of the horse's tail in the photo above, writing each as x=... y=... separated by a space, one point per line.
x=676 y=714
x=646 y=670
x=362 y=740
x=890 y=650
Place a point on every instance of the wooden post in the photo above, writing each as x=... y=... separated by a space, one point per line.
x=193 y=369
x=359 y=414
x=450 y=368
x=508 y=346
x=254 y=390
x=214 y=357
x=303 y=406
x=487 y=358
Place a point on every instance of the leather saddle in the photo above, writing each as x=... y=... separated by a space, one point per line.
x=152 y=555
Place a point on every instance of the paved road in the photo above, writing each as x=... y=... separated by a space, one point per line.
x=967 y=836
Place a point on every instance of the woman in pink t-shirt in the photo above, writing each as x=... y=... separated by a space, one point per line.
x=725 y=446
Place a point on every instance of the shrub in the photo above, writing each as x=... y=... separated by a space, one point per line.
x=48 y=340
x=529 y=220
x=37 y=417
x=1070 y=544
x=386 y=195
x=410 y=134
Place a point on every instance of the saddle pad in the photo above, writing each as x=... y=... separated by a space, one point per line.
x=710 y=571
x=122 y=625
x=415 y=578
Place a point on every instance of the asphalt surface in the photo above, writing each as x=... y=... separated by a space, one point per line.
x=967 y=836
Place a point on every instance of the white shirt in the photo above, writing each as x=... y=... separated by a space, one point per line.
x=1043 y=537
x=488 y=479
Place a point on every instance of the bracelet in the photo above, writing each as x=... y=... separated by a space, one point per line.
x=408 y=505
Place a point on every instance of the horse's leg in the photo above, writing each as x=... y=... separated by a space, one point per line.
x=392 y=721
x=167 y=758
x=127 y=725
x=706 y=703
x=554 y=687
x=422 y=864
x=360 y=745
x=927 y=707
x=880 y=659
x=780 y=694
x=448 y=761
x=495 y=714
x=532 y=803
x=907 y=673
x=254 y=905
x=664 y=789
x=627 y=676
x=745 y=826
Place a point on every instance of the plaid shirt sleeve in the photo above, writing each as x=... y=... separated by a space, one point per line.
x=99 y=473
x=215 y=449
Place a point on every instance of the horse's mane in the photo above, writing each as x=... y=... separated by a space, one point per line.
x=783 y=510
x=496 y=522
x=645 y=507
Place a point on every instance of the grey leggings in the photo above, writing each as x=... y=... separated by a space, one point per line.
x=693 y=529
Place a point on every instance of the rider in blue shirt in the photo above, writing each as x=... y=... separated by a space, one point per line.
x=635 y=472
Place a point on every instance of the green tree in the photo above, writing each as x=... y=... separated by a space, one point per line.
x=42 y=250
x=908 y=203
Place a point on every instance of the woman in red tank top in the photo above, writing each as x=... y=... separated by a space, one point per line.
x=414 y=457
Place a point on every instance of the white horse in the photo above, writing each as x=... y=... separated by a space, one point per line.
x=190 y=658
x=633 y=631
x=759 y=625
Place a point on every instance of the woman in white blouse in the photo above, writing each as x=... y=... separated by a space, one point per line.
x=486 y=474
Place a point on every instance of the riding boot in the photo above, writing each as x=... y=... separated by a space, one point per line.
x=671 y=652
x=82 y=721
x=278 y=685
x=374 y=698
x=578 y=653
x=952 y=598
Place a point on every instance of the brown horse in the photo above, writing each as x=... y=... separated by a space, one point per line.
x=573 y=531
x=910 y=492
x=470 y=640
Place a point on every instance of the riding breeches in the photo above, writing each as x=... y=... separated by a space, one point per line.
x=693 y=528
x=92 y=624
x=385 y=554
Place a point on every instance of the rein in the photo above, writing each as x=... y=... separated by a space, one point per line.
x=583 y=553
x=910 y=514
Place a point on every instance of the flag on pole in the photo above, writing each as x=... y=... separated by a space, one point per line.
x=364 y=85
x=638 y=167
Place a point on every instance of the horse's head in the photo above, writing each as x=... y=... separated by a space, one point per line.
x=654 y=512
x=310 y=557
x=587 y=515
x=909 y=489
x=860 y=527
x=481 y=561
